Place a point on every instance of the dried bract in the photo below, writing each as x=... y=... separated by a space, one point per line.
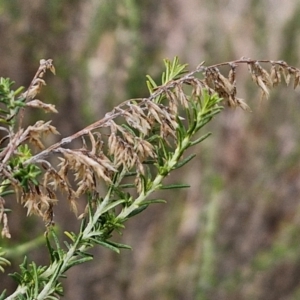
x=49 y=108
x=3 y=219
x=34 y=133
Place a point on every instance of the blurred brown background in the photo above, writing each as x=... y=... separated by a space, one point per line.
x=235 y=233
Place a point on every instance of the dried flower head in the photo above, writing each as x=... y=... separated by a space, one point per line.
x=135 y=135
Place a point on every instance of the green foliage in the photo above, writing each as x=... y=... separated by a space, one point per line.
x=3 y=261
x=173 y=71
x=10 y=101
x=25 y=175
x=139 y=154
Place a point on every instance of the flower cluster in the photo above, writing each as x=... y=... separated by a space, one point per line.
x=129 y=152
x=134 y=136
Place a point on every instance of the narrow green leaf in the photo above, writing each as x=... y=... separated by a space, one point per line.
x=53 y=297
x=18 y=91
x=3 y=260
x=153 y=138
x=174 y=186
x=23 y=265
x=163 y=153
x=192 y=120
x=126 y=186
x=148 y=173
x=112 y=205
x=205 y=118
x=180 y=124
x=122 y=194
x=174 y=63
x=151 y=201
x=35 y=279
x=180 y=132
x=143 y=182
x=56 y=241
x=184 y=161
x=129 y=129
x=67 y=245
x=106 y=245
x=118 y=245
x=78 y=262
x=150 y=84
x=17 y=277
x=5 y=193
x=128 y=174
x=82 y=227
x=138 y=210
x=200 y=139
x=165 y=75
x=84 y=254
x=2 y=296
